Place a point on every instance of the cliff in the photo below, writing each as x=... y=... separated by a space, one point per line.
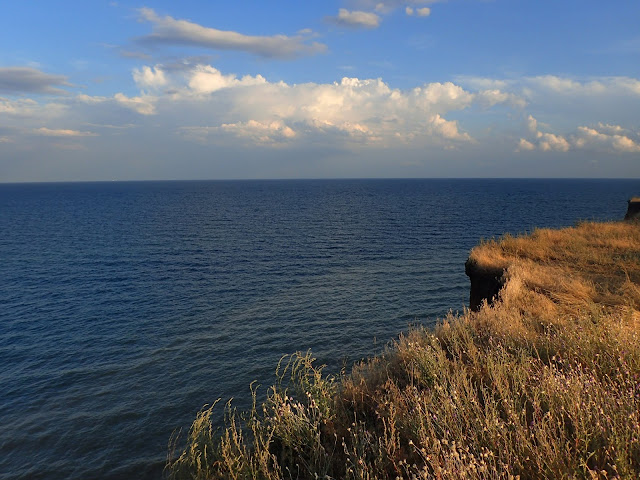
x=633 y=209
x=543 y=382
x=486 y=283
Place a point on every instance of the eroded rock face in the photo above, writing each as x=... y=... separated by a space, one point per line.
x=633 y=209
x=485 y=284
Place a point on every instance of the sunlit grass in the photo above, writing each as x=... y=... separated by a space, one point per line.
x=543 y=384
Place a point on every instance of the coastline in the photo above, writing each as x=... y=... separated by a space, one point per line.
x=541 y=383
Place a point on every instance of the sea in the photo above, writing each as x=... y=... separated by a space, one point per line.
x=125 y=307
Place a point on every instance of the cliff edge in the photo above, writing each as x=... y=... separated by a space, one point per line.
x=541 y=382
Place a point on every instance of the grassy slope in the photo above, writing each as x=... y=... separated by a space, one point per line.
x=544 y=384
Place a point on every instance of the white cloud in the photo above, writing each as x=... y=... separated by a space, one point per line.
x=267 y=132
x=591 y=138
x=149 y=77
x=442 y=96
x=544 y=141
x=490 y=98
x=58 y=132
x=564 y=85
x=387 y=6
x=207 y=79
x=16 y=80
x=447 y=129
x=88 y=99
x=355 y=19
x=352 y=110
x=420 y=12
x=554 y=87
x=551 y=142
x=189 y=107
x=482 y=83
x=144 y=105
x=603 y=138
x=15 y=107
x=570 y=88
x=169 y=31
x=611 y=129
x=525 y=145
x=25 y=108
x=593 y=87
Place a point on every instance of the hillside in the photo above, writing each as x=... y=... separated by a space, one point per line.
x=543 y=383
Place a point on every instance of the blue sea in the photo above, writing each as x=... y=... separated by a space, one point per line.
x=127 y=306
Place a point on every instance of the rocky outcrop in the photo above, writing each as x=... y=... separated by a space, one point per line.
x=485 y=284
x=633 y=209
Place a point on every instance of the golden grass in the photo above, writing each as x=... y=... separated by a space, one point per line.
x=543 y=384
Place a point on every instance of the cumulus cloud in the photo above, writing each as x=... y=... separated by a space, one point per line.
x=19 y=80
x=355 y=19
x=148 y=77
x=365 y=111
x=591 y=138
x=525 y=145
x=551 y=142
x=144 y=105
x=602 y=138
x=353 y=110
x=442 y=97
x=447 y=129
x=207 y=79
x=544 y=141
x=570 y=101
x=269 y=133
x=188 y=105
x=169 y=31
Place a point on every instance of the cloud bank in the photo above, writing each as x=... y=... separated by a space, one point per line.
x=358 y=125
x=351 y=111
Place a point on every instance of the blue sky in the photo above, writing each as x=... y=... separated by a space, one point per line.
x=118 y=90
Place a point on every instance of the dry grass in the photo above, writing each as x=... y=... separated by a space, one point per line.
x=544 y=384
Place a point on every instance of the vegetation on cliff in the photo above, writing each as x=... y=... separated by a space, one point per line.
x=544 y=383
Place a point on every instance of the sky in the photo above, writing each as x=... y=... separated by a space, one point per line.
x=123 y=90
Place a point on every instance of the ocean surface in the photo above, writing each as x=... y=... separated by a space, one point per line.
x=127 y=306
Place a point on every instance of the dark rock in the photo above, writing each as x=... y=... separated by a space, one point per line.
x=633 y=209
x=485 y=284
